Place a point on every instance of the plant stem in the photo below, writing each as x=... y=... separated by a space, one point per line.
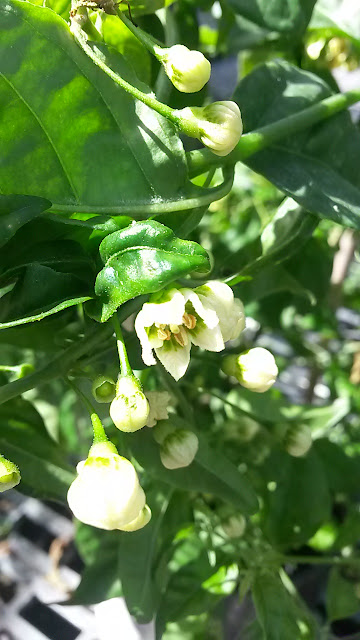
x=250 y=143
x=148 y=41
x=336 y=560
x=99 y=432
x=125 y=366
x=148 y=99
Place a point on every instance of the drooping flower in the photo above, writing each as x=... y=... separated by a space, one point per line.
x=129 y=410
x=173 y=320
x=9 y=474
x=188 y=70
x=107 y=493
x=255 y=369
x=218 y=125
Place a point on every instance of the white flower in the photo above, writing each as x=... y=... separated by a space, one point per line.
x=188 y=70
x=234 y=526
x=255 y=369
x=143 y=518
x=207 y=317
x=298 y=440
x=158 y=402
x=218 y=125
x=178 y=449
x=106 y=493
x=129 y=410
x=9 y=474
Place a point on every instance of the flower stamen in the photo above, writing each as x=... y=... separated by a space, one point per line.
x=181 y=337
x=164 y=334
x=189 y=321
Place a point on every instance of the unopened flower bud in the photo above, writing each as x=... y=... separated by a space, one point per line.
x=103 y=389
x=255 y=369
x=130 y=409
x=244 y=429
x=106 y=493
x=178 y=449
x=298 y=440
x=9 y=474
x=143 y=518
x=234 y=526
x=188 y=70
x=218 y=125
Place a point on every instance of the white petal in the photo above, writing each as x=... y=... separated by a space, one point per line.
x=147 y=346
x=170 y=311
x=175 y=359
x=209 y=339
x=202 y=308
x=219 y=296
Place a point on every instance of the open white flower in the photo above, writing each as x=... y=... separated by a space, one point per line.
x=158 y=402
x=9 y=474
x=188 y=70
x=207 y=317
x=107 y=493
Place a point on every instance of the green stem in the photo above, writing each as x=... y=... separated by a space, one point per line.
x=250 y=143
x=149 y=42
x=336 y=560
x=148 y=99
x=99 y=431
x=125 y=366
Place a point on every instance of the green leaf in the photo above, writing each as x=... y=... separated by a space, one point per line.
x=289 y=17
x=297 y=500
x=25 y=441
x=290 y=227
x=341 y=599
x=342 y=471
x=68 y=132
x=337 y=18
x=268 y=281
x=15 y=211
x=317 y=166
x=210 y=472
x=40 y=292
x=280 y=612
x=143 y=258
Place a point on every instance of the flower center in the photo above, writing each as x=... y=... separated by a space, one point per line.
x=179 y=332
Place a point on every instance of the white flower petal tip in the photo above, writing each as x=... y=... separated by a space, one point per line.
x=255 y=369
x=159 y=402
x=188 y=70
x=9 y=475
x=129 y=410
x=106 y=493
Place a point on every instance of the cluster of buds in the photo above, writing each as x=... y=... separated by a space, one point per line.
x=255 y=369
x=9 y=474
x=106 y=493
x=173 y=320
x=178 y=447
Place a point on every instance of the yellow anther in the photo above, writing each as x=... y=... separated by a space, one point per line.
x=160 y=326
x=181 y=337
x=164 y=334
x=189 y=321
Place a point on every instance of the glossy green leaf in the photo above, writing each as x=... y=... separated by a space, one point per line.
x=316 y=167
x=276 y=15
x=15 y=211
x=210 y=472
x=68 y=132
x=39 y=292
x=341 y=598
x=280 y=613
x=143 y=258
x=297 y=500
x=337 y=18
x=342 y=470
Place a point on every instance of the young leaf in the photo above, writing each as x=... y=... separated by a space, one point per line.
x=143 y=258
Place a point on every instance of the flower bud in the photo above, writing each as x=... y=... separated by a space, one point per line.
x=130 y=409
x=106 y=493
x=178 y=449
x=188 y=70
x=9 y=474
x=218 y=125
x=234 y=526
x=255 y=369
x=243 y=430
x=103 y=389
x=298 y=440
x=141 y=521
